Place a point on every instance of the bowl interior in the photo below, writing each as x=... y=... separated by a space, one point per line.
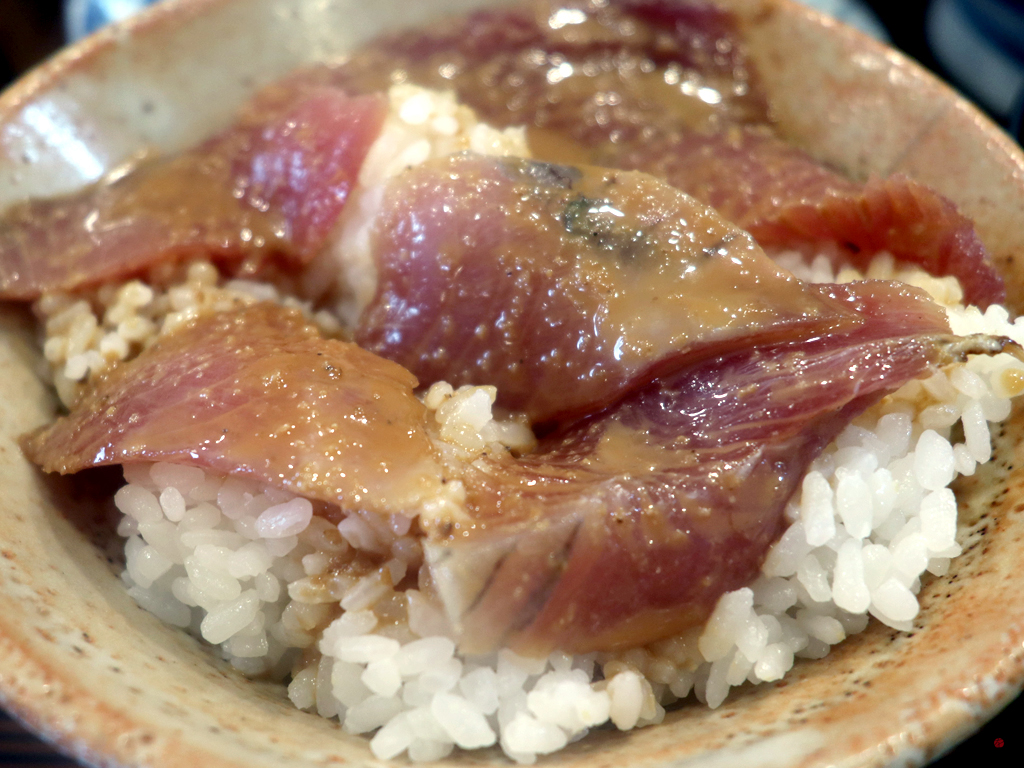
x=108 y=682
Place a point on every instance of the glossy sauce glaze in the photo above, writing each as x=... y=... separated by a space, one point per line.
x=582 y=77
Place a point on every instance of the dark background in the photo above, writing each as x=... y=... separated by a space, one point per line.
x=32 y=29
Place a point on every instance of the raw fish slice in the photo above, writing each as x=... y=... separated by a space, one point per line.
x=269 y=187
x=258 y=393
x=628 y=528
x=625 y=528
x=582 y=78
x=568 y=287
x=787 y=200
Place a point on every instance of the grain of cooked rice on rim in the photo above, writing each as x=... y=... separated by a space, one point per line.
x=340 y=606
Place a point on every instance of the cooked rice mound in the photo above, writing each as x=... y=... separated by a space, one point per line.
x=342 y=608
x=86 y=333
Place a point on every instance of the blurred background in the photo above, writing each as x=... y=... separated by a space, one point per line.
x=976 y=45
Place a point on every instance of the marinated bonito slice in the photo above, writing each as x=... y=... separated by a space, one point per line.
x=258 y=393
x=567 y=287
x=628 y=528
x=665 y=87
x=787 y=200
x=267 y=189
x=615 y=71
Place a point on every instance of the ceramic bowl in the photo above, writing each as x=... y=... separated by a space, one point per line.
x=111 y=685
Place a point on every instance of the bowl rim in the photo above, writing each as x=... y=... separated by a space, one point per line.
x=80 y=53
x=99 y=746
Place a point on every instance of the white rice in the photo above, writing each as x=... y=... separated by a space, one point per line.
x=341 y=607
x=88 y=333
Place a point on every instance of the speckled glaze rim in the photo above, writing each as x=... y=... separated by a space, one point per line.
x=107 y=683
x=79 y=55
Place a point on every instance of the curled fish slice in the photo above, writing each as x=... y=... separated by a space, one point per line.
x=584 y=80
x=267 y=189
x=629 y=527
x=567 y=287
x=258 y=393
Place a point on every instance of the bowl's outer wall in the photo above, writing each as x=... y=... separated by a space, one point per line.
x=111 y=685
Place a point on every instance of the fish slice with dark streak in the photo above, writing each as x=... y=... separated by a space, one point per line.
x=567 y=287
x=624 y=528
x=666 y=87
